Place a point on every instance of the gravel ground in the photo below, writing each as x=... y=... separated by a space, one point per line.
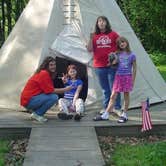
x=16 y=155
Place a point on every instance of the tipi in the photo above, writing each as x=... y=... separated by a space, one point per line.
x=61 y=28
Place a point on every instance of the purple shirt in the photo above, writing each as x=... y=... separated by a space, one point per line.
x=125 y=63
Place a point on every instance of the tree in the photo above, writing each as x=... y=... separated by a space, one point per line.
x=10 y=11
x=148 y=20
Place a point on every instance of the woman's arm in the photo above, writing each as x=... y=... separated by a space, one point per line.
x=90 y=43
x=134 y=71
x=62 y=90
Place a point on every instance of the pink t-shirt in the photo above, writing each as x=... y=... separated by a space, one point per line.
x=103 y=44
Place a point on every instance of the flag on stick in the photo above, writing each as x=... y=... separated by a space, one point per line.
x=146 y=119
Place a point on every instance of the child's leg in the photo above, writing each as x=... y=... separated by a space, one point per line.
x=63 y=105
x=110 y=106
x=126 y=101
x=79 y=105
x=124 y=117
x=111 y=102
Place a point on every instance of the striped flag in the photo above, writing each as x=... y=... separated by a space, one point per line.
x=146 y=119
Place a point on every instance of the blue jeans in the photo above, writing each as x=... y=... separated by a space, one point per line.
x=41 y=103
x=106 y=78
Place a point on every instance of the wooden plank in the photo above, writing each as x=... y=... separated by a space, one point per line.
x=63 y=146
x=15 y=133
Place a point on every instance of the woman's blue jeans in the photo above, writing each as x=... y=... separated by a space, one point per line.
x=106 y=77
x=41 y=103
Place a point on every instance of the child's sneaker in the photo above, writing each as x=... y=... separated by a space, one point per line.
x=77 y=117
x=38 y=118
x=122 y=119
x=64 y=116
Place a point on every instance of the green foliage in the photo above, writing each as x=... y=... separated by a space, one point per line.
x=148 y=20
x=4 y=148
x=162 y=70
x=157 y=152
x=158 y=58
x=139 y=155
x=10 y=11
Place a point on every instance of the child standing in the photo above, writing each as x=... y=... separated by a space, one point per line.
x=124 y=79
x=71 y=101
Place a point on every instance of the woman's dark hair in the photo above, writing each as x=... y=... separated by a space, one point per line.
x=108 y=26
x=45 y=65
x=122 y=39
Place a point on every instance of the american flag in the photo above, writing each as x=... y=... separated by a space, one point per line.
x=146 y=119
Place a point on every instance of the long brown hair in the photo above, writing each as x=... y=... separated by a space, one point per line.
x=122 y=39
x=45 y=65
x=108 y=26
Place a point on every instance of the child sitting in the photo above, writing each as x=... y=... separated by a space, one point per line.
x=71 y=102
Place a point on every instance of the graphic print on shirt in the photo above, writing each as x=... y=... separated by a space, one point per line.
x=124 y=62
x=103 y=42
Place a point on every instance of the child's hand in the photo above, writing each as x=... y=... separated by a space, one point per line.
x=73 y=104
x=64 y=78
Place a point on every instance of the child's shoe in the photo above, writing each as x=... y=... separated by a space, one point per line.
x=64 y=116
x=77 y=117
x=122 y=119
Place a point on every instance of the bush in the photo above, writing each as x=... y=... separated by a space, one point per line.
x=158 y=58
x=148 y=21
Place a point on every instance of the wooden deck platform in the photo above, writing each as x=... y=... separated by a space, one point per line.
x=70 y=143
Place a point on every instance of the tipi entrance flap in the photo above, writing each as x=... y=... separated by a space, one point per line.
x=70 y=43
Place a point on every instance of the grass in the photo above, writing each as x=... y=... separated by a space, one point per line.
x=140 y=155
x=153 y=154
x=162 y=70
x=4 y=148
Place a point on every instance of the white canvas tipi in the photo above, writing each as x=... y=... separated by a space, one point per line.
x=42 y=30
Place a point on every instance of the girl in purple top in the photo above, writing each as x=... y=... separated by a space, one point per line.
x=124 y=79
